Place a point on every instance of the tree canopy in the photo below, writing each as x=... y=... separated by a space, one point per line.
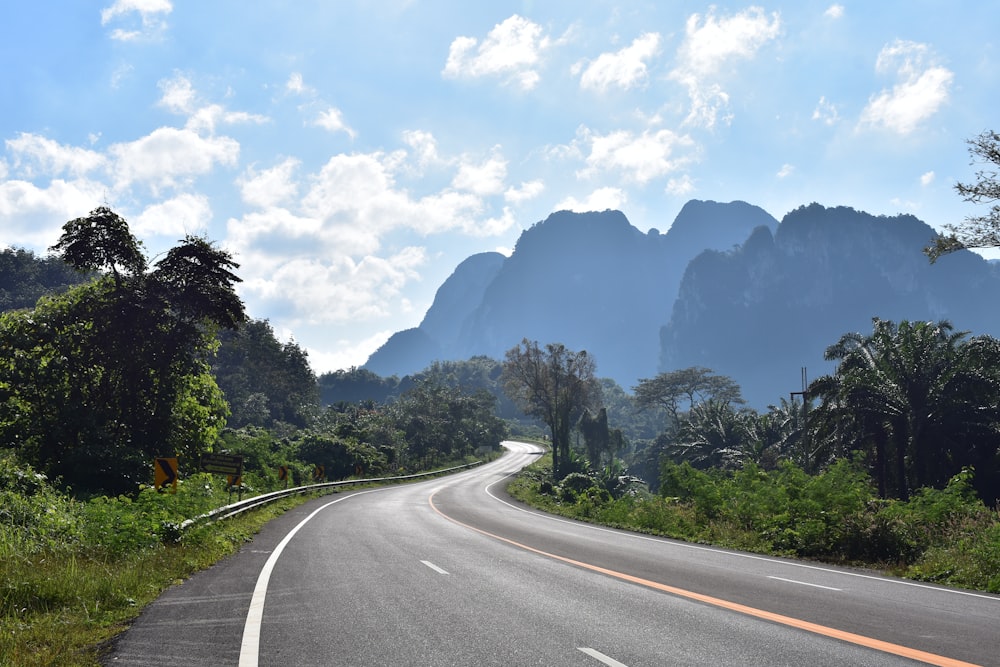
x=977 y=231
x=554 y=384
x=96 y=382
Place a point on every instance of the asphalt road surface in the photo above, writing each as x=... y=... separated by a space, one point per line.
x=453 y=572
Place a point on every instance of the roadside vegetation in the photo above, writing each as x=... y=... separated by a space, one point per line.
x=946 y=536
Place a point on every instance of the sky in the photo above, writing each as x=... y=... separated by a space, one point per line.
x=351 y=153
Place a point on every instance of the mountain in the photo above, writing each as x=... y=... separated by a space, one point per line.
x=589 y=280
x=763 y=311
x=727 y=287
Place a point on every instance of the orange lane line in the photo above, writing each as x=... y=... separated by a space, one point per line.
x=860 y=640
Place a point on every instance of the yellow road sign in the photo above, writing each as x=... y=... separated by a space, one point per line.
x=165 y=473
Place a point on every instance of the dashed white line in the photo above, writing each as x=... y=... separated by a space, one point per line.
x=611 y=662
x=433 y=567
x=805 y=583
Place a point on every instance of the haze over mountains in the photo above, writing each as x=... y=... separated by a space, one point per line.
x=726 y=287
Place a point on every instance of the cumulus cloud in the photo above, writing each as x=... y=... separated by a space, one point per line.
x=927 y=178
x=512 y=50
x=184 y=214
x=624 y=69
x=271 y=187
x=35 y=155
x=525 y=192
x=180 y=97
x=710 y=42
x=424 y=145
x=922 y=87
x=785 y=171
x=296 y=85
x=169 y=157
x=680 y=186
x=484 y=179
x=151 y=15
x=34 y=215
x=639 y=157
x=834 y=11
x=333 y=120
x=601 y=199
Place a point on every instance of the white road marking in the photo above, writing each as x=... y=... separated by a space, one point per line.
x=250 y=647
x=805 y=583
x=611 y=662
x=698 y=547
x=433 y=567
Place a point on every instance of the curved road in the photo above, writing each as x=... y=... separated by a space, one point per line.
x=452 y=572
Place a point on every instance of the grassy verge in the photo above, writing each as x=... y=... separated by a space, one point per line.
x=946 y=536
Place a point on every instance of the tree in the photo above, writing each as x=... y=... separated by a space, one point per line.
x=101 y=240
x=918 y=394
x=675 y=390
x=554 y=385
x=978 y=231
x=96 y=382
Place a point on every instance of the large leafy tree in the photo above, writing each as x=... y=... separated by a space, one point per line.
x=680 y=390
x=922 y=399
x=554 y=384
x=96 y=382
x=978 y=231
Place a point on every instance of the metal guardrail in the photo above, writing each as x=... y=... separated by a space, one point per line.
x=235 y=508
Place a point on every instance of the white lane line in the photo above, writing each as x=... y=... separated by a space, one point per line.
x=611 y=662
x=433 y=567
x=805 y=583
x=250 y=647
x=766 y=559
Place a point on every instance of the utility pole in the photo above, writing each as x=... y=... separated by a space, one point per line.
x=805 y=415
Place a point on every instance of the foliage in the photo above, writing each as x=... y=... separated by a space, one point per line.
x=96 y=382
x=264 y=380
x=919 y=399
x=944 y=535
x=25 y=278
x=554 y=385
x=979 y=231
x=674 y=390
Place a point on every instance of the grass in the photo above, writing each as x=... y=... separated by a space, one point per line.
x=945 y=536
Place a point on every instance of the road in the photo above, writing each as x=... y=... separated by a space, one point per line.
x=452 y=572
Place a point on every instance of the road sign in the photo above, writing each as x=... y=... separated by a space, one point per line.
x=222 y=464
x=165 y=474
x=234 y=480
x=282 y=473
x=319 y=472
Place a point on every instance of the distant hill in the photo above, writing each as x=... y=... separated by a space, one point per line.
x=727 y=287
x=589 y=280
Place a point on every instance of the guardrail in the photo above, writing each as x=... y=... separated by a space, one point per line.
x=242 y=506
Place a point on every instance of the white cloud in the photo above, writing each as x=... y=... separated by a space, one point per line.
x=681 y=186
x=333 y=120
x=834 y=11
x=168 y=156
x=178 y=94
x=922 y=88
x=423 y=144
x=177 y=217
x=785 y=171
x=512 y=49
x=151 y=13
x=640 y=158
x=297 y=86
x=35 y=155
x=344 y=354
x=927 y=178
x=712 y=43
x=826 y=112
x=482 y=179
x=271 y=187
x=601 y=199
x=526 y=192
x=34 y=216
x=625 y=68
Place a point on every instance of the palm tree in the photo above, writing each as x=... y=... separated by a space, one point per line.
x=917 y=391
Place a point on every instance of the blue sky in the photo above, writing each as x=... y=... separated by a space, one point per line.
x=350 y=154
